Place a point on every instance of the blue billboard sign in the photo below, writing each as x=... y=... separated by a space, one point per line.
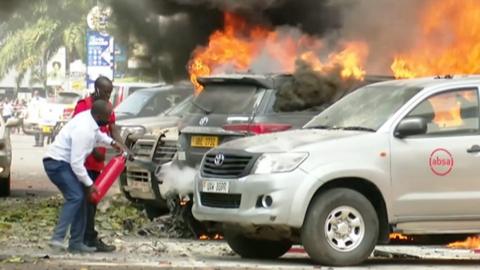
x=100 y=57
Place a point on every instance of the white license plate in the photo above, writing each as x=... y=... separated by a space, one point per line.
x=215 y=186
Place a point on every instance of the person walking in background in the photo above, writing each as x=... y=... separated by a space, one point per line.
x=33 y=114
x=64 y=165
x=7 y=110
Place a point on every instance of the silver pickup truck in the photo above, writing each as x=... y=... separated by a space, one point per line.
x=397 y=156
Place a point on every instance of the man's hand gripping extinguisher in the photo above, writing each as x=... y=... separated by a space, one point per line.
x=107 y=177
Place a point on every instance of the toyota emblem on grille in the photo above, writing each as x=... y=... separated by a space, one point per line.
x=219 y=159
x=203 y=121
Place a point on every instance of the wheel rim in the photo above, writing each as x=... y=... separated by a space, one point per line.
x=344 y=228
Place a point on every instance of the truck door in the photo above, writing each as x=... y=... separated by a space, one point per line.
x=437 y=174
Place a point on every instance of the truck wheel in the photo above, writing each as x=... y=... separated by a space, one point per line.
x=341 y=228
x=256 y=248
x=154 y=211
x=5 y=186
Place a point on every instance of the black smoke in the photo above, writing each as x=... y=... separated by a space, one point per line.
x=187 y=24
x=311 y=90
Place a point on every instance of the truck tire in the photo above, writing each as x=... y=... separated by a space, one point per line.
x=5 y=186
x=341 y=228
x=256 y=248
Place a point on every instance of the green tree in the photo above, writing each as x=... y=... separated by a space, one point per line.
x=34 y=32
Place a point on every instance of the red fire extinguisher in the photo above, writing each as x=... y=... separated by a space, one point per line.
x=108 y=176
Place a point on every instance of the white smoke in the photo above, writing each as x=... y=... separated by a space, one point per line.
x=176 y=180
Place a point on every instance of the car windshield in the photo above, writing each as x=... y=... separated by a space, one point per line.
x=134 y=103
x=181 y=108
x=225 y=99
x=367 y=108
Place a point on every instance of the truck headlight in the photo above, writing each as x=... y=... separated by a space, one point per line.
x=278 y=162
x=132 y=130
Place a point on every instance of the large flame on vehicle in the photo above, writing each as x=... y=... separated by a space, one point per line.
x=447 y=42
x=239 y=45
x=472 y=242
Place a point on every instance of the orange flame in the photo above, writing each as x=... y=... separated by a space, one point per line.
x=447 y=110
x=239 y=47
x=448 y=42
x=399 y=236
x=472 y=242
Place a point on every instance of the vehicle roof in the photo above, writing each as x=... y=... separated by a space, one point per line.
x=261 y=80
x=425 y=82
x=138 y=84
x=181 y=85
x=268 y=80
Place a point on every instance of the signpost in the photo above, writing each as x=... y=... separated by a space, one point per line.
x=100 y=49
x=100 y=46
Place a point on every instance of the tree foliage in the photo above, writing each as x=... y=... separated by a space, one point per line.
x=34 y=32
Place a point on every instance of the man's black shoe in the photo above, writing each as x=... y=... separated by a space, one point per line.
x=101 y=246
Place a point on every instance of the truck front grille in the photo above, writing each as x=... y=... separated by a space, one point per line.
x=143 y=148
x=219 y=200
x=140 y=176
x=232 y=166
x=165 y=151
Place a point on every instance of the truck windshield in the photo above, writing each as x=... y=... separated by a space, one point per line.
x=226 y=99
x=367 y=108
x=134 y=103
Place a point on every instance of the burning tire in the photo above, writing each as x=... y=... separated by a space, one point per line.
x=341 y=228
x=5 y=186
x=256 y=248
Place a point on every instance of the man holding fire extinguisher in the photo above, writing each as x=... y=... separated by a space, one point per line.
x=64 y=164
x=95 y=162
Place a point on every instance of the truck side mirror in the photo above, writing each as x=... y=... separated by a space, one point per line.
x=411 y=126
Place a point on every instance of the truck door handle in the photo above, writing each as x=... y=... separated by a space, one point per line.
x=474 y=149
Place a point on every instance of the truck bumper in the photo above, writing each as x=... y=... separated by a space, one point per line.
x=284 y=189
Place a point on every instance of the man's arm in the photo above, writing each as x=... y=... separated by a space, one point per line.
x=80 y=144
x=114 y=130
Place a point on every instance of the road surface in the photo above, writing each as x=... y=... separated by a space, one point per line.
x=137 y=252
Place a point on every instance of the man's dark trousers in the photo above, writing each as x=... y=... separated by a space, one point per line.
x=90 y=233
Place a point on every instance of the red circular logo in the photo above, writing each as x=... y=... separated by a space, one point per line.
x=441 y=162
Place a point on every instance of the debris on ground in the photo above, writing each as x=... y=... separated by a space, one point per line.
x=31 y=220
x=180 y=223
x=393 y=255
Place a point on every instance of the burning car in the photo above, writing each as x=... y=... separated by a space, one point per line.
x=238 y=105
x=397 y=156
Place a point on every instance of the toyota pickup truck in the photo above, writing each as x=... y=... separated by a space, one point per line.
x=396 y=156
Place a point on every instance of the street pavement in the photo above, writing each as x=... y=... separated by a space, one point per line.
x=29 y=179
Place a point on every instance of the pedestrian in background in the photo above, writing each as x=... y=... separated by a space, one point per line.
x=33 y=114
x=7 y=110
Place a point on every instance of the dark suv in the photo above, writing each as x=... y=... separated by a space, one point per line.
x=234 y=106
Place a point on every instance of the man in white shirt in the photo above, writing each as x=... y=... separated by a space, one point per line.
x=64 y=165
x=33 y=115
x=7 y=110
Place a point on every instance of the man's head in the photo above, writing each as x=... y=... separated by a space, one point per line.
x=101 y=111
x=35 y=93
x=56 y=65
x=103 y=88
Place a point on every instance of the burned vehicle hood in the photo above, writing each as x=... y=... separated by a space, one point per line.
x=294 y=140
